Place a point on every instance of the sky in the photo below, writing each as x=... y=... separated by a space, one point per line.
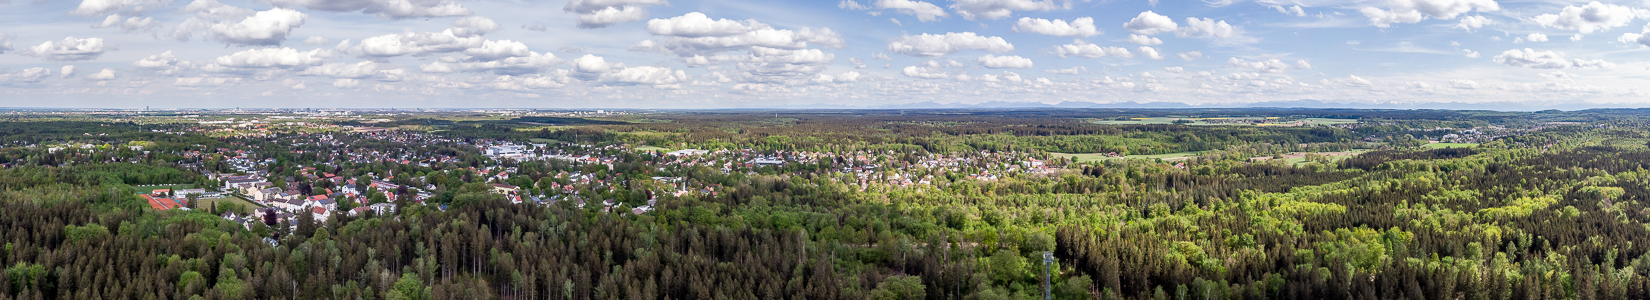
x=686 y=54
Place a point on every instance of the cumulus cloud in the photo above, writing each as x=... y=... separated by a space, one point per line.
x=1080 y=27
x=1212 y=29
x=387 y=9
x=1533 y=37
x=936 y=45
x=29 y=75
x=1084 y=49
x=69 y=49
x=1588 y=18
x=1470 y=23
x=998 y=9
x=1385 y=13
x=264 y=28
x=1174 y=69
x=419 y=43
x=1529 y=58
x=659 y=77
x=5 y=43
x=130 y=7
x=696 y=24
x=927 y=70
x=1266 y=66
x=924 y=11
x=105 y=74
x=1144 y=40
x=283 y=58
x=67 y=71
x=128 y=23
x=1149 y=23
x=316 y=41
x=1642 y=38
x=473 y=26
x=1150 y=52
x=1005 y=62
x=604 y=13
x=1190 y=55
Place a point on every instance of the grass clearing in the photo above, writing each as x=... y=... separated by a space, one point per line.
x=207 y=203
x=652 y=148
x=542 y=141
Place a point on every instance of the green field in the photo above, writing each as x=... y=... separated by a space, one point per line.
x=542 y=141
x=1450 y=145
x=651 y=148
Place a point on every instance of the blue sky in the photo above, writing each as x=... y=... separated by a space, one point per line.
x=732 y=54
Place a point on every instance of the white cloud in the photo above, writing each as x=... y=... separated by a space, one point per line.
x=205 y=81
x=533 y=62
x=1005 y=62
x=105 y=74
x=645 y=75
x=936 y=45
x=1533 y=37
x=1469 y=53
x=346 y=83
x=604 y=13
x=1190 y=55
x=1067 y=71
x=316 y=41
x=1217 y=30
x=1150 y=52
x=1080 y=27
x=29 y=75
x=696 y=24
x=387 y=9
x=1144 y=40
x=102 y=7
x=363 y=69
x=267 y=28
x=1085 y=49
x=924 y=11
x=998 y=9
x=1469 y=23
x=1575 y=38
x=928 y=70
x=1303 y=65
x=1385 y=13
x=1529 y=58
x=69 y=49
x=1588 y=18
x=128 y=24
x=5 y=43
x=286 y=58
x=1266 y=66
x=67 y=71
x=473 y=26
x=415 y=43
x=1175 y=69
x=496 y=50
x=1642 y=38
x=1149 y=23
x=1463 y=84
x=1293 y=10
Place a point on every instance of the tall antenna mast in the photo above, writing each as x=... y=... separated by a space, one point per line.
x=1048 y=284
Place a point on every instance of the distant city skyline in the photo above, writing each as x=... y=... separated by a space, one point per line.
x=607 y=54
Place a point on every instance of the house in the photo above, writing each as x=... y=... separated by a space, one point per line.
x=321 y=213
x=192 y=191
x=358 y=211
x=289 y=204
x=509 y=191
x=383 y=208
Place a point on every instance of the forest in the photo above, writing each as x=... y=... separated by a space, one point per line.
x=1551 y=206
